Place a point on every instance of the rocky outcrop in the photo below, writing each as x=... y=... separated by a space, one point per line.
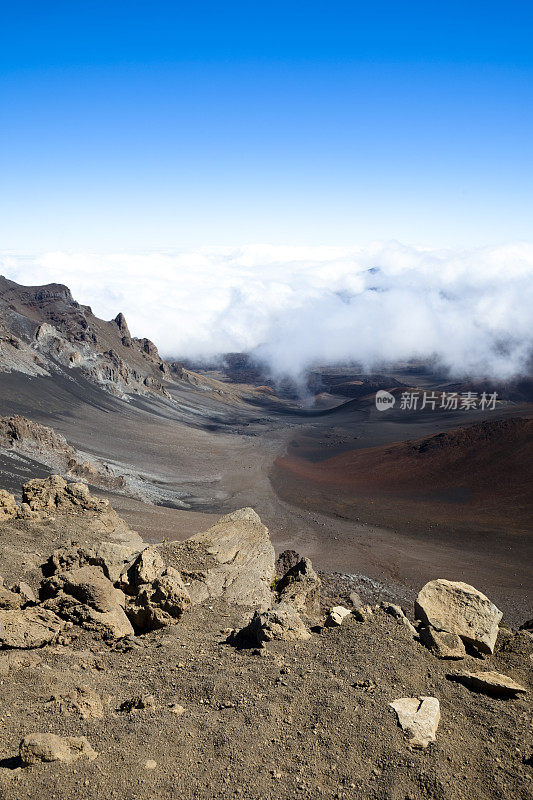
x=110 y=557
x=29 y=627
x=145 y=568
x=44 y=331
x=159 y=603
x=286 y=560
x=54 y=492
x=21 y=435
x=419 y=717
x=460 y=609
x=300 y=586
x=37 y=748
x=232 y=561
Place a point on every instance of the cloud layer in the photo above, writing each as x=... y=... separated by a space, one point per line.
x=293 y=306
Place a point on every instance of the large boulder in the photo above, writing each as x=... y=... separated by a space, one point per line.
x=300 y=586
x=233 y=561
x=458 y=608
x=88 y=585
x=28 y=627
x=37 y=748
x=280 y=622
x=111 y=624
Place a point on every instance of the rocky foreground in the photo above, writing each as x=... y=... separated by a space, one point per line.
x=206 y=669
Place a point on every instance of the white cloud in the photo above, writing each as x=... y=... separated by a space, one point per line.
x=294 y=305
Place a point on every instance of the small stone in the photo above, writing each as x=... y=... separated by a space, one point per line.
x=177 y=709
x=150 y=764
x=355 y=600
x=336 y=616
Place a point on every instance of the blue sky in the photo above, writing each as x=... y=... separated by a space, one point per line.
x=149 y=126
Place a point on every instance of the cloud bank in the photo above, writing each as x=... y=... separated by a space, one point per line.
x=293 y=306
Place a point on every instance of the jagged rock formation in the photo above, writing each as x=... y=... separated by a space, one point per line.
x=300 y=586
x=44 y=331
x=233 y=560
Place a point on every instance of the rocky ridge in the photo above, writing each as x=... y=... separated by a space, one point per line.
x=45 y=332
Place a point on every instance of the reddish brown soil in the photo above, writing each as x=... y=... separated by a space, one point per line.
x=480 y=472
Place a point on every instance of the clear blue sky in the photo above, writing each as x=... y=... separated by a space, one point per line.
x=147 y=125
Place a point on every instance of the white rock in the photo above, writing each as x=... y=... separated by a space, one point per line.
x=419 y=717
x=336 y=616
x=489 y=682
x=456 y=607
